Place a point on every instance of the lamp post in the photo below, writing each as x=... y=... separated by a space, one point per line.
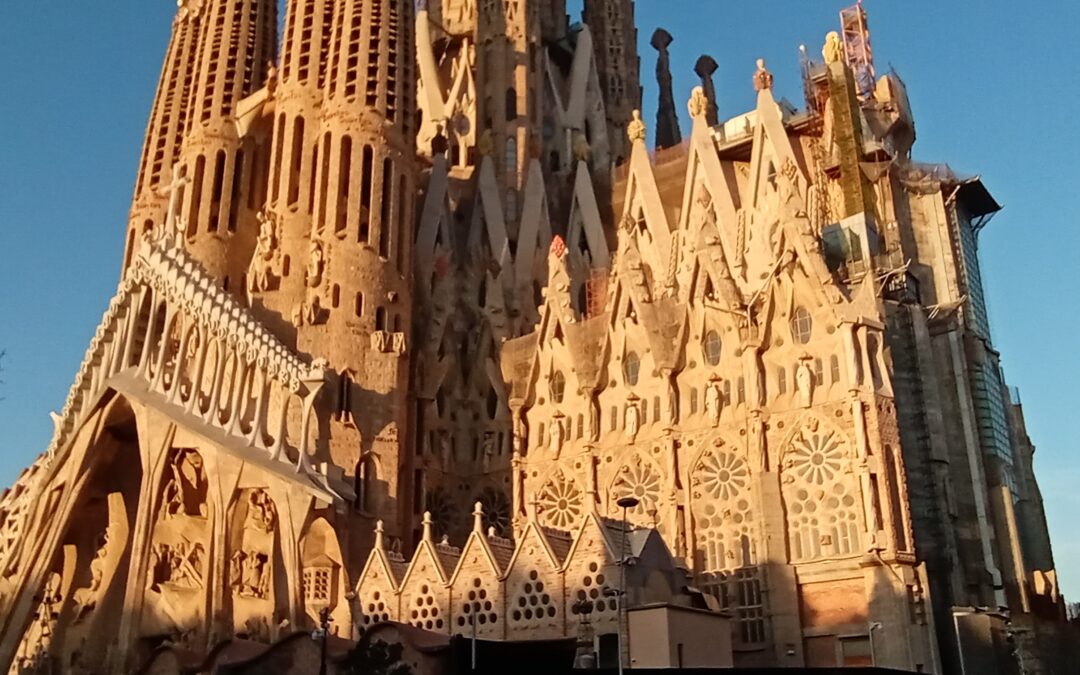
x=585 y=658
x=625 y=503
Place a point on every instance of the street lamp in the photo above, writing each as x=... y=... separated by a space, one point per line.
x=625 y=503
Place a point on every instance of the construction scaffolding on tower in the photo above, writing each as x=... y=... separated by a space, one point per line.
x=855 y=35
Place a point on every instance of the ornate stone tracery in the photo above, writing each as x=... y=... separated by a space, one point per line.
x=560 y=503
x=820 y=494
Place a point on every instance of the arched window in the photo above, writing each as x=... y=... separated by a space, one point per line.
x=801 y=325
x=632 y=368
x=558 y=387
x=366 y=479
x=712 y=348
x=511 y=104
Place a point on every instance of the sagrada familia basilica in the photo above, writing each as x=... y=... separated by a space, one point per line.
x=409 y=309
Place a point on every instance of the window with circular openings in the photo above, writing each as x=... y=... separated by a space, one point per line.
x=592 y=589
x=711 y=348
x=801 y=325
x=558 y=386
x=478 y=609
x=533 y=603
x=632 y=368
x=375 y=610
x=424 y=612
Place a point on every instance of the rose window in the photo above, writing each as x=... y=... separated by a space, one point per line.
x=640 y=480
x=444 y=513
x=723 y=475
x=560 y=503
x=816 y=457
x=496 y=508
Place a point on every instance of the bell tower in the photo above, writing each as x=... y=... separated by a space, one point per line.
x=168 y=122
x=617 y=63
x=356 y=307
x=235 y=53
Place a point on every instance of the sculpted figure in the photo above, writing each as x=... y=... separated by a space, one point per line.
x=316 y=260
x=698 y=104
x=763 y=79
x=804 y=382
x=488 y=452
x=713 y=402
x=833 y=50
x=594 y=419
x=633 y=419
x=262 y=266
x=558 y=433
x=636 y=128
x=444 y=449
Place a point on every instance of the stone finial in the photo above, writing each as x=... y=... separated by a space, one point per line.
x=763 y=79
x=698 y=104
x=705 y=67
x=667 y=121
x=428 y=524
x=380 y=535
x=636 y=128
x=491 y=533
x=478 y=518
x=833 y=50
x=558 y=247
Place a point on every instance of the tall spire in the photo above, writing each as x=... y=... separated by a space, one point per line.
x=705 y=67
x=168 y=121
x=355 y=306
x=667 y=120
x=617 y=63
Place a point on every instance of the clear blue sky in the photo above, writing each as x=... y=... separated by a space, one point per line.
x=994 y=86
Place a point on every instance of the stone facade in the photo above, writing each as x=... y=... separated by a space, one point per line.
x=395 y=335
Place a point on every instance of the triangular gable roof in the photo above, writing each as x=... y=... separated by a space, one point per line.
x=533 y=533
x=477 y=547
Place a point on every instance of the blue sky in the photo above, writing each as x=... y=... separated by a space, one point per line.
x=994 y=87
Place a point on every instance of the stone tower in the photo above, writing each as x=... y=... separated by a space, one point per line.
x=236 y=49
x=168 y=122
x=615 y=38
x=357 y=307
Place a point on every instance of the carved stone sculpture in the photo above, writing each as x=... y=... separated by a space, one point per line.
x=316 y=262
x=668 y=134
x=804 y=382
x=261 y=269
x=714 y=402
x=833 y=51
x=636 y=130
x=763 y=79
x=633 y=418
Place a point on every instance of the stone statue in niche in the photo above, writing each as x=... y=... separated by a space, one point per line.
x=759 y=443
x=804 y=382
x=558 y=433
x=445 y=449
x=261 y=271
x=633 y=418
x=316 y=262
x=487 y=454
x=714 y=401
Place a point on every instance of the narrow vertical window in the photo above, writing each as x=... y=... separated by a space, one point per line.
x=365 y=194
x=296 y=160
x=213 y=223
x=344 y=178
x=279 y=150
x=387 y=200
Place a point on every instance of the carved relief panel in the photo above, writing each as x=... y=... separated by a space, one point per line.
x=178 y=564
x=252 y=562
